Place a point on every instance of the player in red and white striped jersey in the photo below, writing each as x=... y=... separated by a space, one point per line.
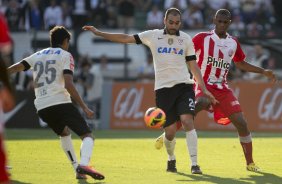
x=215 y=51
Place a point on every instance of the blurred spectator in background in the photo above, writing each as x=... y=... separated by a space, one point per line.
x=254 y=29
x=259 y=59
x=214 y=5
x=13 y=14
x=94 y=96
x=237 y=27
x=146 y=72
x=271 y=63
x=159 y=3
x=32 y=15
x=248 y=8
x=66 y=14
x=23 y=80
x=179 y=4
x=3 y=6
x=99 y=11
x=126 y=12
x=53 y=15
x=104 y=65
x=89 y=84
x=193 y=18
x=154 y=18
x=112 y=21
x=80 y=12
x=85 y=78
x=277 y=4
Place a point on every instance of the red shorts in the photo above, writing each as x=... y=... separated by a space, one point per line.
x=228 y=104
x=3 y=173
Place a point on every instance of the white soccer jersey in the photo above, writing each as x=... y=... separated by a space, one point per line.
x=169 y=55
x=48 y=66
x=214 y=57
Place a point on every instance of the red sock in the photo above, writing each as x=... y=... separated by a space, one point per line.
x=246 y=143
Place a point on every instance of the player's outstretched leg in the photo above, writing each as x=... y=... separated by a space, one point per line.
x=159 y=143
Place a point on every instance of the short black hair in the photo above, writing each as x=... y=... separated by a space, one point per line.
x=173 y=11
x=223 y=12
x=57 y=35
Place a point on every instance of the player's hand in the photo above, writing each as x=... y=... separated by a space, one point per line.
x=211 y=97
x=89 y=113
x=270 y=75
x=89 y=28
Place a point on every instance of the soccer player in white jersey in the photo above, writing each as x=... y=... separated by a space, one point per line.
x=215 y=51
x=173 y=53
x=53 y=69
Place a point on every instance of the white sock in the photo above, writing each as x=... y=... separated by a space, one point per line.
x=192 y=145
x=170 y=145
x=86 y=150
x=67 y=146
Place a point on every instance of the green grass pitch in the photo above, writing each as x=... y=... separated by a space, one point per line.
x=129 y=157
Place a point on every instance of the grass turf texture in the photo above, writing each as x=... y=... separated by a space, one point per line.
x=127 y=157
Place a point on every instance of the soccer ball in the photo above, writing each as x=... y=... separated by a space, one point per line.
x=154 y=117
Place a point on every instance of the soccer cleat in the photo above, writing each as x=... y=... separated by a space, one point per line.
x=159 y=142
x=253 y=167
x=171 y=166
x=81 y=176
x=195 y=169
x=88 y=170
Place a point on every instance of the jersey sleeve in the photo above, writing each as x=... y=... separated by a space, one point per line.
x=239 y=53
x=198 y=41
x=30 y=60
x=68 y=63
x=145 y=37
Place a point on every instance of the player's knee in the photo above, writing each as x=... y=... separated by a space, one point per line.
x=65 y=132
x=188 y=125
x=242 y=127
x=87 y=135
x=169 y=136
x=203 y=103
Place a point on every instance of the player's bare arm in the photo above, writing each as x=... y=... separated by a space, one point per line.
x=198 y=76
x=74 y=94
x=114 y=37
x=255 y=69
x=17 y=67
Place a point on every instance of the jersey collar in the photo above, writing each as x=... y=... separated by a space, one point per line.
x=214 y=33
x=177 y=33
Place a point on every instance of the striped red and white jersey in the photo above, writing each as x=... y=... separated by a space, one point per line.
x=214 y=57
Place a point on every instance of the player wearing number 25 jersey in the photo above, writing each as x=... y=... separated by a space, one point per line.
x=53 y=69
x=48 y=67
